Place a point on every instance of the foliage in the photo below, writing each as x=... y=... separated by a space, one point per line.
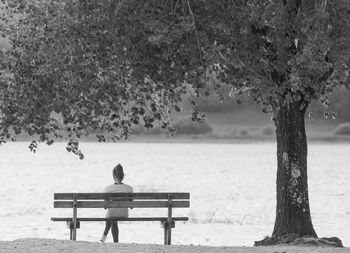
x=342 y=129
x=65 y=73
x=106 y=65
x=268 y=131
x=339 y=105
x=243 y=133
x=3 y=44
x=188 y=126
x=214 y=104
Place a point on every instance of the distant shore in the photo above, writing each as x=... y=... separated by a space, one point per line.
x=40 y=245
x=211 y=138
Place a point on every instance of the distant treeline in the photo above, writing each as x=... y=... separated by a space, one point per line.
x=340 y=104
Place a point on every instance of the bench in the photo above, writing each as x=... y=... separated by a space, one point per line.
x=166 y=200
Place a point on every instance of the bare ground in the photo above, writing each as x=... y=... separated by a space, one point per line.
x=39 y=245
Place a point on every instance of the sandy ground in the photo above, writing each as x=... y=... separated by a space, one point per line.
x=50 y=245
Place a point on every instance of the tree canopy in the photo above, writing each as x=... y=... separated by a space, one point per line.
x=79 y=65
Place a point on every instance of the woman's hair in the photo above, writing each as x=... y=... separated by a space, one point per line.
x=118 y=172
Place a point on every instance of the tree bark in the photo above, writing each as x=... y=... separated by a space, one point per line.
x=293 y=211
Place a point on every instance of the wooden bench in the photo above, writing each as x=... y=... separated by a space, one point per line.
x=168 y=200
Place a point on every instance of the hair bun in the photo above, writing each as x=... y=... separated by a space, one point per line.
x=118 y=172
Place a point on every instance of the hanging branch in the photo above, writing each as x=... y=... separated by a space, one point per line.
x=195 y=30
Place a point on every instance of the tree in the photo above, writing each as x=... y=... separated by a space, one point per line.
x=83 y=64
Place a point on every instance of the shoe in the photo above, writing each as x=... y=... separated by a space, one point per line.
x=103 y=238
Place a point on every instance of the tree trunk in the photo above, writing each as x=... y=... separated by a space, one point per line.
x=293 y=211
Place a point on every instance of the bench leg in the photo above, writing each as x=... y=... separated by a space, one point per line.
x=165 y=235
x=164 y=225
x=169 y=235
x=72 y=231
x=74 y=234
x=167 y=231
x=75 y=212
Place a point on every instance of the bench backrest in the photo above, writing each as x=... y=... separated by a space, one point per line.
x=122 y=200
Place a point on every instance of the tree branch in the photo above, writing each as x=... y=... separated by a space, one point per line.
x=195 y=29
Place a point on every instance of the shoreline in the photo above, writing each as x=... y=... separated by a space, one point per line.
x=200 y=139
x=41 y=245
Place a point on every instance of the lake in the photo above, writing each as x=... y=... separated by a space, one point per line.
x=232 y=189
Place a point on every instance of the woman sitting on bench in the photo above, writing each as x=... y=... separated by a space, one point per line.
x=118 y=186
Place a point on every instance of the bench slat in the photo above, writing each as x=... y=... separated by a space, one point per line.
x=140 y=195
x=121 y=204
x=121 y=219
